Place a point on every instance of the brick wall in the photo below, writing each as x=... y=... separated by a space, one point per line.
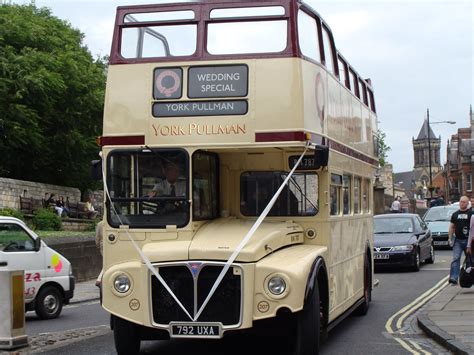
x=11 y=189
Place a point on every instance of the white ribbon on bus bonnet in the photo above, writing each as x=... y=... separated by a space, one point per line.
x=231 y=259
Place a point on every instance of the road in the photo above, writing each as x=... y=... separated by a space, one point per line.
x=355 y=335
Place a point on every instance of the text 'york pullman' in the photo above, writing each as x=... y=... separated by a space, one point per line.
x=200 y=108
x=198 y=129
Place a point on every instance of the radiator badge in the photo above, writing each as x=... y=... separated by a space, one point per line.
x=195 y=267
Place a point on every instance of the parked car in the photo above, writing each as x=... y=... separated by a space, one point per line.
x=402 y=239
x=438 y=219
x=48 y=275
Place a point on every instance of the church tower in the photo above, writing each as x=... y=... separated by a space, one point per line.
x=422 y=149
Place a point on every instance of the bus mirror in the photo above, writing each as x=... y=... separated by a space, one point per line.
x=321 y=156
x=96 y=170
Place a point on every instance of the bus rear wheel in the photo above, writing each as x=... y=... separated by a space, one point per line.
x=364 y=306
x=308 y=326
x=126 y=337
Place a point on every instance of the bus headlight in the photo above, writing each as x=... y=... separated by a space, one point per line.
x=122 y=283
x=276 y=285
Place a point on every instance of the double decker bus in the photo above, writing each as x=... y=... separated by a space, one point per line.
x=239 y=147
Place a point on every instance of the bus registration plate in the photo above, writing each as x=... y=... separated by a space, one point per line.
x=196 y=330
x=381 y=256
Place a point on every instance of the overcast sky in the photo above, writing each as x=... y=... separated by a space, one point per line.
x=419 y=55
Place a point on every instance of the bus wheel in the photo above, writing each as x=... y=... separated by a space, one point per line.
x=364 y=307
x=308 y=326
x=126 y=337
x=49 y=303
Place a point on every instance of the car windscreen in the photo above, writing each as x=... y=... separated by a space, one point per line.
x=439 y=214
x=393 y=225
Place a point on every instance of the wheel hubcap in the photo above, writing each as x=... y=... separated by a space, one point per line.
x=50 y=303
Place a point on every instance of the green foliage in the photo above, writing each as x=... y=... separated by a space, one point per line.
x=46 y=220
x=51 y=98
x=383 y=148
x=10 y=212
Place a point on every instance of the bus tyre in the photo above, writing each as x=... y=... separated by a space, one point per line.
x=126 y=337
x=364 y=306
x=416 y=261
x=49 y=303
x=308 y=326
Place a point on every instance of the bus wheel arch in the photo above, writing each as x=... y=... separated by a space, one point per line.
x=311 y=322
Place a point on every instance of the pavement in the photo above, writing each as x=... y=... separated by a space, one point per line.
x=448 y=318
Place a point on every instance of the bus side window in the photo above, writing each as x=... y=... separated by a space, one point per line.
x=357 y=195
x=328 y=52
x=343 y=74
x=354 y=83
x=308 y=36
x=363 y=88
x=365 y=195
x=346 y=194
x=335 y=194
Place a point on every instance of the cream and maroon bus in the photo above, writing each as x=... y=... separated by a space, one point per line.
x=239 y=148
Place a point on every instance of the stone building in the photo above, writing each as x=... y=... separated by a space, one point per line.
x=460 y=162
x=426 y=152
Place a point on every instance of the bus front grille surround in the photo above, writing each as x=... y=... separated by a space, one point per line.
x=191 y=283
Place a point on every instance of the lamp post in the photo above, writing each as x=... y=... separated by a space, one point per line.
x=429 y=146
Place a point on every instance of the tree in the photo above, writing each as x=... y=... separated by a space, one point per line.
x=383 y=148
x=51 y=98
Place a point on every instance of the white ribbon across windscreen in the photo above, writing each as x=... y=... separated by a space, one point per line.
x=231 y=259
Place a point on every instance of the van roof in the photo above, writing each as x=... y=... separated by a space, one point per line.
x=11 y=219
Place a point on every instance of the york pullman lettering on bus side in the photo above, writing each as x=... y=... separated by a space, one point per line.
x=199 y=129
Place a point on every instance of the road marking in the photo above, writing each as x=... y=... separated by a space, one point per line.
x=410 y=309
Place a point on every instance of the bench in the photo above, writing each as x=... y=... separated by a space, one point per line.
x=76 y=209
x=29 y=204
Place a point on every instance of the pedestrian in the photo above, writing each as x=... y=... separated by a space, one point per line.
x=405 y=204
x=470 y=240
x=396 y=207
x=458 y=237
x=99 y=240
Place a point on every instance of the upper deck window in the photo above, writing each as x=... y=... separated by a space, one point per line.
x=159 y=16
x=328 y=52
x=158 y=41
x=308 y=36
x=247 y=37
x=248 y=12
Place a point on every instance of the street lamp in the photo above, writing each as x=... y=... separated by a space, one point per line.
x=429 y=145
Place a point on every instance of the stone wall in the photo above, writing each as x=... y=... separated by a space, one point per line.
x=82 y=253
x=11 y=190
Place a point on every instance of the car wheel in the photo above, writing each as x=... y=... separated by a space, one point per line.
x=431 y=258
x=126 y=337
x=49 y=303
x=416 y=261
x=308 y=326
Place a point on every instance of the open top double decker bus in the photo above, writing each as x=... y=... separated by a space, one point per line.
x=238 y=151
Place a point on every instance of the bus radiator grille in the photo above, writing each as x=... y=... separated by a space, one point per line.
x=224 y=306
